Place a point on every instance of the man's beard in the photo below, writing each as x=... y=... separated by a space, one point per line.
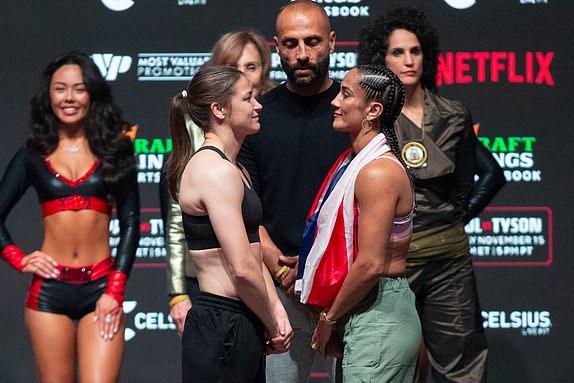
x=318 y=71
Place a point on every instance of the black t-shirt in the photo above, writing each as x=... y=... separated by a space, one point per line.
x=289 y=158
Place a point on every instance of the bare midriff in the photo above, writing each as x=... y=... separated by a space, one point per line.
x=397 y=254
x=77 y=238
x=213 y=273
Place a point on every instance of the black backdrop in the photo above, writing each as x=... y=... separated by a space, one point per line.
x=506 y=60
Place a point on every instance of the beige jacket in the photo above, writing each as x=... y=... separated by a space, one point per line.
x=179 y=263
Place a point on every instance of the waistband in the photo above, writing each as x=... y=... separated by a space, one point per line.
x=437 y=243
x=393 y=283
x=221 y=302
x=385 y=285
x=79 y=274
x=75 y=202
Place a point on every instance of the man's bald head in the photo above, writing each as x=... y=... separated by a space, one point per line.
x=304 y=41
x=303 y=7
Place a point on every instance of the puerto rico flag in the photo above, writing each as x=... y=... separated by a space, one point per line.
x=328 y=245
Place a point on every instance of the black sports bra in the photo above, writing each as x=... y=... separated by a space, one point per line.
x=199 y=233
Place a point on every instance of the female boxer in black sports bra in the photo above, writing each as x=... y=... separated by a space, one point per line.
x=237 y=316
x=80 y=163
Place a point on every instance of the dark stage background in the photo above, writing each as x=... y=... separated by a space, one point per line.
x=506 y=60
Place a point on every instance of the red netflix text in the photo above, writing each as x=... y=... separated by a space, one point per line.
x=468 y=67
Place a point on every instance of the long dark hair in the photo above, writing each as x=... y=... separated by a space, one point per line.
x=212 y=83
x=382 y=85
x=104 y=126
x=374 y=40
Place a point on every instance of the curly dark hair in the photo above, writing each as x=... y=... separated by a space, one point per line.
x=381 y=84
x=104 y=126
x=374 y=40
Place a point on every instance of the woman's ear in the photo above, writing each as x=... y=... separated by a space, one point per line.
x=375 y=110
x=217 y=110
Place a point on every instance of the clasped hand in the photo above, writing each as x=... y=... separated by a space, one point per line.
x=287 y=281
x=279 y=342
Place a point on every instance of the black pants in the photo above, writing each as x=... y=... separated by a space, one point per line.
x=449 y=310
x=222 y=342
x=192 y=288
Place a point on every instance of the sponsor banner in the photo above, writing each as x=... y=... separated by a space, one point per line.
x=144 y=321
x=341 y=61
x=183 y=66
x=333 y=8
x=118 y=5
x=151 y=250
x=169 y=66
x=344 y=8
x=183 y=3
x=530 y=2
x=511 y=236
x=111 y=65
x=453 y=68
x=460 y=4
x=524 y=322
x=150 y=155
x=515 y=155
x=494 y=67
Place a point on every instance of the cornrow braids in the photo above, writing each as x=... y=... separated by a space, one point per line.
x=382 y=85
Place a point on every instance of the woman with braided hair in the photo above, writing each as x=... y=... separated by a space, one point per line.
x=353 y=252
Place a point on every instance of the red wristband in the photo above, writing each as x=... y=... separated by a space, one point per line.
x=13 y=255
x=116 y=285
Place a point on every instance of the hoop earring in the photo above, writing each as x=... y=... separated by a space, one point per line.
x=366 y=125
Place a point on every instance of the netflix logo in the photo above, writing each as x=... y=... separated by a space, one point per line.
x=511 y=67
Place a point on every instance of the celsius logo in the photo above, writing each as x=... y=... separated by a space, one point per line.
x=118 y=5
x=146 y=320
x=110 y=65
x=460 y=4
x=128 y=307
x=530 y=323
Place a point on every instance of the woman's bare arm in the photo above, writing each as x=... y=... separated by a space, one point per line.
x=221 y=191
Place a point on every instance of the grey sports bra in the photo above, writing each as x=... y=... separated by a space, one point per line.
x=402 y=226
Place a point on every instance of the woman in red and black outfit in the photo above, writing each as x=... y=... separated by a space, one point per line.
x=81 y=164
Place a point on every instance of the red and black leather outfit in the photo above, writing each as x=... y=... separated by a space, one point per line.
x=57 y=193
